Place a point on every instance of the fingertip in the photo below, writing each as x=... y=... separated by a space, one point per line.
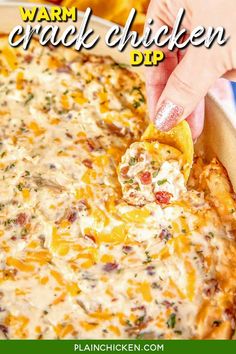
x=196 y=120
x=168 y=115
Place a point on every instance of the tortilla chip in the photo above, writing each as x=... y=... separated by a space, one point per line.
x=179 y=137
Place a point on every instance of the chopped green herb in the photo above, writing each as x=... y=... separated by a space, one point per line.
x=1 y=206
x=132 y=161
x=9 y=222
x=162 y=181
x=120 y=65
x=171 y=321
x=155 y=174
x=20 y=186
x=128 y=323
x=140 y=320
x=148 y=258
x=129 y=181
x=123 y=65
x=29 y=98
x=138 y=89
x=136 y=104
x=24 y=231
x=9 y=167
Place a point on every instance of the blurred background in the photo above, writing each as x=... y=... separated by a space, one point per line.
x=234 y=89
x=117 y=11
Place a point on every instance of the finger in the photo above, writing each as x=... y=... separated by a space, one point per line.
x=230 y=75
x=156 y=79
x=157 y=76
x=196 y=120
x=186 y=87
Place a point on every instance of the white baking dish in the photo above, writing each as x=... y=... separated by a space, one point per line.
x=219 y=135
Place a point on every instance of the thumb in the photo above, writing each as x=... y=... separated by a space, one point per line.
x=186 y=86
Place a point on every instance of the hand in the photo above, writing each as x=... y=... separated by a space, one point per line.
x=177 y=86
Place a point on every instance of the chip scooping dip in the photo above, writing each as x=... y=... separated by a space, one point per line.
x=157 y=168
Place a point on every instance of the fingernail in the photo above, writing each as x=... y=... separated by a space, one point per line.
x=168 y=115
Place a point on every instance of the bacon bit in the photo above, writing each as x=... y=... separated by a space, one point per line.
x=82 y=205
x=216 y=323
x=212 y=287
x=143 y=308
x=163 y=197
x=42 y=240
x=90 y=237
x=132 y=194
x=10 y=273
x=146 y=178
x=4 y=329
x=165 y=235
x=229 y=312
x=124 y=170
x=72 y=216
x=69 y=136
x=109 y=267
x=21 y=219
x=64 y=69
x=126 y=249
x=28 y=58
x=167 y=304
x=150 y=270
x=88 y=163
x=91 y=145
x=114 y=129
x=231 y=316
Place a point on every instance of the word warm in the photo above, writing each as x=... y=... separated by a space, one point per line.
x=55 y=13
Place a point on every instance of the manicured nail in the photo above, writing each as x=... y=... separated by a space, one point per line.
x=168 y=115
